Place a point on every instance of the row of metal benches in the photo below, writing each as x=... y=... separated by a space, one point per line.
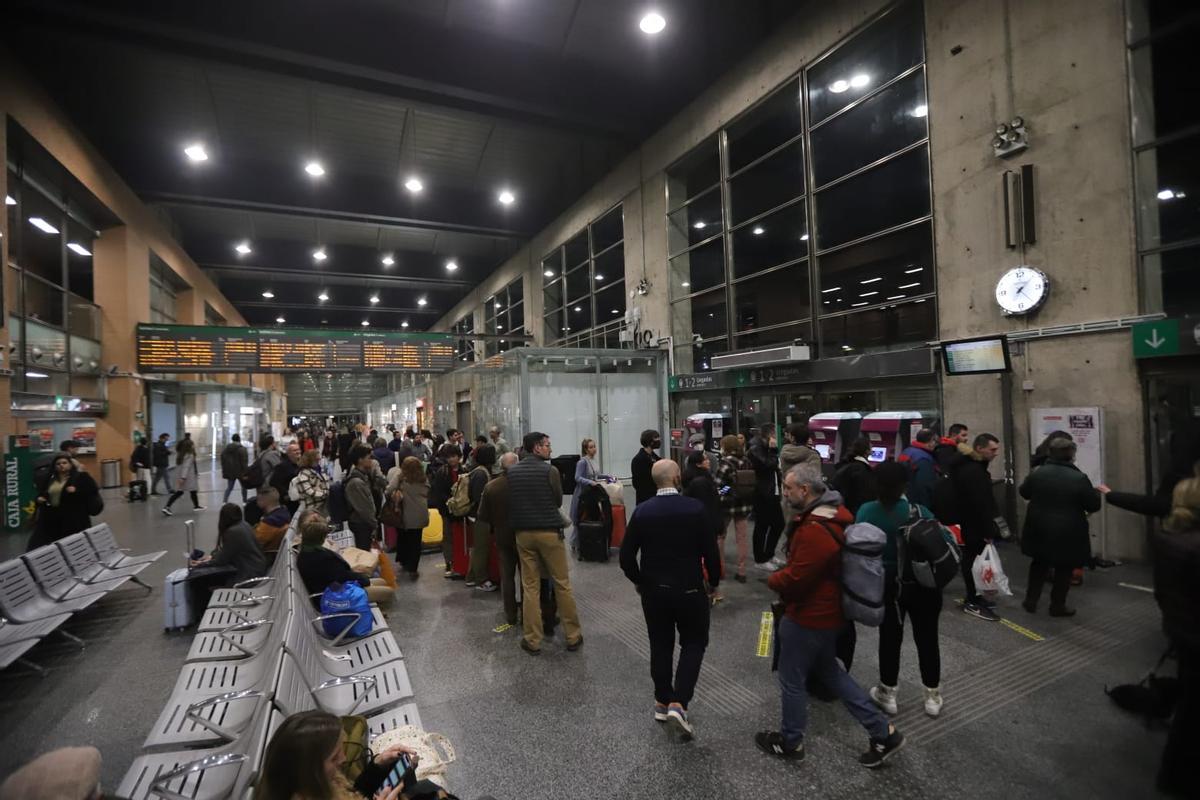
x=42 y=589
x=259 y=655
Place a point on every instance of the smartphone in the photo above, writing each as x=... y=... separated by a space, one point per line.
x=396 y=776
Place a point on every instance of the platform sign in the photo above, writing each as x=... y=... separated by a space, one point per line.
x=1175 y=336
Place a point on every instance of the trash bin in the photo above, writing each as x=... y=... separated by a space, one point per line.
x=110 y=473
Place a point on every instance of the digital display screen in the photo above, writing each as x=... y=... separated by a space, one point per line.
x=976 y=356
x=825 y=452
x=200 y=348
x=878 y=455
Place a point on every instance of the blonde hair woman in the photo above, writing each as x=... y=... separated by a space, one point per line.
x=587 y=473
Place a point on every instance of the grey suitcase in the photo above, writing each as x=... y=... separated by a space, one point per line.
x=177 y=602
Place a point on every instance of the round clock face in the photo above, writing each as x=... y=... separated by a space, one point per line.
x=1022 y=290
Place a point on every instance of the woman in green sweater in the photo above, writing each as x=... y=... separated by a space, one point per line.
x=903 y=597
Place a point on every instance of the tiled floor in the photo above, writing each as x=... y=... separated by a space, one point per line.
x=1023 y=718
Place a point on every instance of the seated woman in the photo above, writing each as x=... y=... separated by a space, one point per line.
x=319 y=566
x=236 y=558
x=304 y=762
x=274 y=523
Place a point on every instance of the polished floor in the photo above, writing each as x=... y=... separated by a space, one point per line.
x=1025 y=713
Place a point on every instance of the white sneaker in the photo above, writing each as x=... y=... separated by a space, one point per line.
x=933 y=701
x=884 y=697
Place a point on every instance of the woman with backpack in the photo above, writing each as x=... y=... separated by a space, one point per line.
x=409 y=489
x=187 y=478
x=737 y=497
x=903 y=596
x=699 y=484
x=310 y=485
x=67 y=497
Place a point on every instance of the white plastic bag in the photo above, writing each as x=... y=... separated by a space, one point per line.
x=989 y=573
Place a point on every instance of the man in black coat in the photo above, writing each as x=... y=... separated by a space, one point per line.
x=160 y=456
x=673 y=535
x=763 y=452
x=639 y=467
x=977 y=512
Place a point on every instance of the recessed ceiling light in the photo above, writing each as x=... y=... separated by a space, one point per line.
x=831 y=289
x=421 y=301
x=868 y=294
x=280 y=320
x=685 y=284
x=506 y=197
x=243 y=248
x=914 y=269
x=451 y=266
x=497 y=305
x=549 y=273
x=319 y=254
x=268 y=294
x=323 y=296
x=860 y=80
x=404 y=324
x=871 y=280
x=9 y=200
x=414 y=185
x=374 y=298
x=759 y=230
x=196 y=152
x=615 y=311
x=75 y=247
x=652 y=23
x=856 y=305
x=804 y=238
x=579 y=308
x=366 y=323
x=898 y=297
x=42 y=225
x=837 y=87
x=909 y=286
x=921 y=111
x=31 y=374
x=599 y=277
x=699 y=224
x=387 y=260
x=1166 y=194
x=314 y=168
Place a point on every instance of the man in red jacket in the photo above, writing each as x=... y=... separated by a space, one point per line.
x=810 y=587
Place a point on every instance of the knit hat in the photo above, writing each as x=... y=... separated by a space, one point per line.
x=69 y=773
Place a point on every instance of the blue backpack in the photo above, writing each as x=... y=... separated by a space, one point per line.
x=341 y=598
x=339 y=512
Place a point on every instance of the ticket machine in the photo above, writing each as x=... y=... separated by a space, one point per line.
x=711 y=426
x=889 y=432
x=832 y=432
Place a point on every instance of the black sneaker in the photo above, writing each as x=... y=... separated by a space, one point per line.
x=772 y=743
x=980 y=611
x=881 y=749
x=528 y=648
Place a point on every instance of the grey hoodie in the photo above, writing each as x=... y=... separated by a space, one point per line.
x=793 y=454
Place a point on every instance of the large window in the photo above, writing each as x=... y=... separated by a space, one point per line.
x=1166 y=143
x=464 y=344
x=583 y=286
x=504 y=317
x=839 y=151
x=164 y=290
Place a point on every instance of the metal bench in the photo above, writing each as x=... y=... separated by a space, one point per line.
x=16 y=639
x=85 y=562
x=57 y=582
x=377 y=647
x=113 y=555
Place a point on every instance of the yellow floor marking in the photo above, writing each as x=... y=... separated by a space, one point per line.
x=765 y=628
x=501 y=628
x=1023 y=631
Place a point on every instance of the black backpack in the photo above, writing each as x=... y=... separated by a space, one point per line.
x=926 y=557
x=254 y=478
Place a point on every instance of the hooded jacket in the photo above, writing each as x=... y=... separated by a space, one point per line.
x=922 y=474
x=792 y=454
x=270 y=529
x=1056 y=525
x=973 y=494
x=810 y=584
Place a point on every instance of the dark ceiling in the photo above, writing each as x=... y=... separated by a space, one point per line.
x=539 y=96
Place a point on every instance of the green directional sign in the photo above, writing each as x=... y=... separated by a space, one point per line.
x=1175 y=336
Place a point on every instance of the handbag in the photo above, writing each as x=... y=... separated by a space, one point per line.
x=392 y=513
x=354 y=746
x=434 y=751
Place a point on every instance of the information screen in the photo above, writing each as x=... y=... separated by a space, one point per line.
x=976 y=356
x=825 y=452
x=878 y=455
x=201 y=348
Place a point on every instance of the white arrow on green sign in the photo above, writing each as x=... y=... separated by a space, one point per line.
x=1158 y=338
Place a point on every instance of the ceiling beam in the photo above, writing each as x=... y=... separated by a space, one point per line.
x=315 y=276
x=331 y=307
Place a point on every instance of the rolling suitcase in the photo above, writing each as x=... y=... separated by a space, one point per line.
x=138 y=491
x=431 y=537
x=618 y=526
x=593 y=540
x=176 y=598
x=462 y=547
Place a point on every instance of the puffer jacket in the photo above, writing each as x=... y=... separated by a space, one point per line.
x=1056 y=524
x=792 y=454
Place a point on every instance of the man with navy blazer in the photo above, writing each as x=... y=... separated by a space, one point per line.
x=673 y=536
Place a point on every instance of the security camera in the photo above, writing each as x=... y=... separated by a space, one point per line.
x=77 y=361
x=113 y=369
x=93 y=364
x=58 y=359
x=697 y=341
x=36 y=352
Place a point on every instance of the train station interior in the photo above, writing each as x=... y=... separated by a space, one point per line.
x=642 y=230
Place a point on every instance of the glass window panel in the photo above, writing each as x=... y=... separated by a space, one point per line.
x=489 y=319
x=552 y=266
x=769 y=124
x=888 y=328
x=1170 y=202
x=609 y=338
x=516 y=292
x=698 y=269
x=872 y=272
x=772 y=298
x=575 y=250
x=708 y=314
x=39 y=380
x=43 y=302
x=578 y=283
x=1148 y=16
x=695 y=222
x=892 y=193
x=1170 y=100
x=883 y=124
x=41 y=252
x=610 y=303
x=772 y=240
x=773 y=336
x=579 y=315
x=13 y=213
x=608 y=230
x=79 y=266
x=609 y=267
x=701 y=355
x=767 y=184
x=1180 y=271
x=873 y=57
x=693 y=173
x=555 y=326
x=516 y=317
x=83 y=317
x=553 y=295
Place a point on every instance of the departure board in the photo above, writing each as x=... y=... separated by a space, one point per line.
x=201 y=348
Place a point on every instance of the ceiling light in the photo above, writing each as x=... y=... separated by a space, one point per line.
x=196 y=152
x=323 y=296
x=414 y=184
x=387 y=260
x=1169 y=194
x=685 y=284
x=868 y=294
x=243 y=248
x=75 y=247
x=920 y=111
x=909 y=285
x=699 y=224
x=421 y=301
x=280 y=320
x=268 y=294
x=578 y=308
x=837 y=87
x=451 y=266
x=9 y=201
x=374 y=298
x=42 y=225
x=860 y=80
x=319 y=254
x=599 y=277
x=652 y=23
x=549 y=273
x=497 y=305
x=847 y=347
x=898 y=297
x=758 y=230
x=314 y=168
x=404 y=324
x=914 y=269
x=36 y=375
x=615 y=311
x=831 y=289
x=856 y=305
x=366 y=324
x=804 y=238
x=506 y=197
x=871 y=280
